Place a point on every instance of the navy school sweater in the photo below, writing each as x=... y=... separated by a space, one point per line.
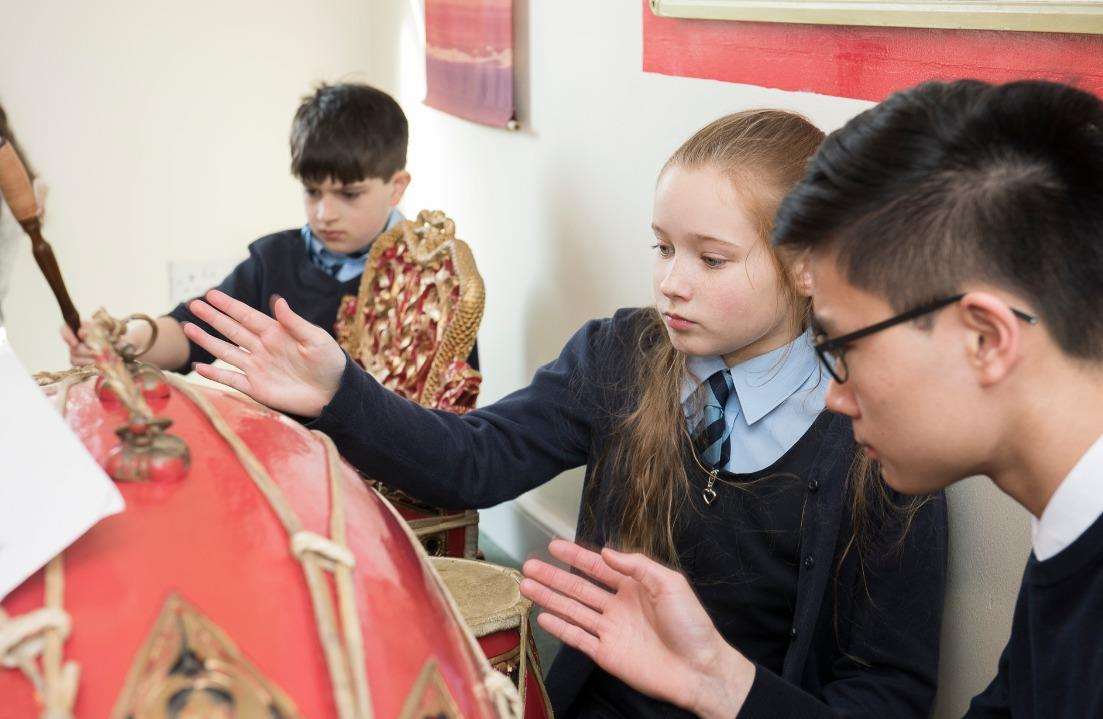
x=864 y=636
x=1052 y=666
x=278 y=264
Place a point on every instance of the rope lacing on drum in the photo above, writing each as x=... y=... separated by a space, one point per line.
x=303 y=542
x=342 y=645
x=38 y=635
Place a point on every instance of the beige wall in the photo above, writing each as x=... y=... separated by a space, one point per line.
x=162 y=130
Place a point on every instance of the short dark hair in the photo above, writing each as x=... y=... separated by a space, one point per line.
x=951 y=182
x=348 y=132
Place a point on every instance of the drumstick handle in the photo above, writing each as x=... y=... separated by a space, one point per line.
x=18 y=192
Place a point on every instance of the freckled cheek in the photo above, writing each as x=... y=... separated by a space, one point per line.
x=727 y=300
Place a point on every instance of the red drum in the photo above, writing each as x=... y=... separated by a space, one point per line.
x=266 y=580
x=443 y=533
x=490 y=600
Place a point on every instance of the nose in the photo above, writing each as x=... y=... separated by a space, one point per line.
x=674 y=285
x=840 y=399
x=323 y=209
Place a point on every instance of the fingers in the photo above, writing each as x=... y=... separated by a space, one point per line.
x=251 y=319
x=234 y=380
x=80 y=355
x=572 y=585
x=68 y=336
x=574 y=611
x=569 y=634
x=654 y=577
x=230 y=328
x=221 y=349
x=300 y=329
x=589 y=562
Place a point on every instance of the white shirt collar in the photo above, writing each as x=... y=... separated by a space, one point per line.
x=1074 y=507
x=761 y=383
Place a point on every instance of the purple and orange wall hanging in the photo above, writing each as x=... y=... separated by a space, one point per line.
x=469 y=59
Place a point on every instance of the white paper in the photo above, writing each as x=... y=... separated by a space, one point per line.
x=51 y=490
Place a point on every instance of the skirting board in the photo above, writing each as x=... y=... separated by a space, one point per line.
x=523 y=527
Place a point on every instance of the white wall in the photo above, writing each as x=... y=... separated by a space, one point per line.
x=162 y=128
x=558 y=216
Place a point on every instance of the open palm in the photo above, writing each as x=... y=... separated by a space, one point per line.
x=286 y=363
x=644 y=626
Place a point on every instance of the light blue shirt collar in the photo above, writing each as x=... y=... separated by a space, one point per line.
x=761 y=383
x=339 y=265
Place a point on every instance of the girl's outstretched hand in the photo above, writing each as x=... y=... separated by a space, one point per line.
x=642 y=623
x=286 y=363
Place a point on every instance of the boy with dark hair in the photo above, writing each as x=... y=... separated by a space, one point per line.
x=348 y=147
x=954 y=241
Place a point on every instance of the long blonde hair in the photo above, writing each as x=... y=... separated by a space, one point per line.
x=763 y=154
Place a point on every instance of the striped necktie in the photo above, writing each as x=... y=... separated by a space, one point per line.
x=710 y=436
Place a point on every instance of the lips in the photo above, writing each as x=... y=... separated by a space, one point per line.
x=677 y=322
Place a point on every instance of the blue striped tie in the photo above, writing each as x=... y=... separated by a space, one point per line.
x=710 y=436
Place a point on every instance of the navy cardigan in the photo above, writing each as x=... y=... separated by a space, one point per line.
x=864 y=641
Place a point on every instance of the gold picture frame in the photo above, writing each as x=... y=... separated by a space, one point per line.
x=1075 y=16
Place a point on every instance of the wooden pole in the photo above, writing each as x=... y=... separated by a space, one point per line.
x=18 y=192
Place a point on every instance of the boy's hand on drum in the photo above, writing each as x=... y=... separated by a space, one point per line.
x=286 y=363
x=80 y=354
x=642 y=623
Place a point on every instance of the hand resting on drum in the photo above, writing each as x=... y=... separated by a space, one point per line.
x=642 y=623
x=286 y=363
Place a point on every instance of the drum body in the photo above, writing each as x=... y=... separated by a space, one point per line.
x=192 y=597
x=490 y=600
x=443 y=532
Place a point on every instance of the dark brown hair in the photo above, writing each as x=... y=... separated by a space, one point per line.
x=348 y=133
x=948 y=183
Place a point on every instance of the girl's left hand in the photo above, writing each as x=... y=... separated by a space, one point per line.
x=642 y=623
x=286 y=363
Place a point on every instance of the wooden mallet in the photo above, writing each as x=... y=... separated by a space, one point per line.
x=18 y=192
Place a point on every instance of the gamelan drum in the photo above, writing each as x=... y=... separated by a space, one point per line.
x=490 y=601
x=252 y=574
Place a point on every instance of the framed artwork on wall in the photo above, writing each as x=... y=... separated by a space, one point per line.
x=469 y=59
x=844 y=53
x=1077 y=16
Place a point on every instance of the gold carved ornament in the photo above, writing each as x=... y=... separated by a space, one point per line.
x=413 y=323
x=412 y=326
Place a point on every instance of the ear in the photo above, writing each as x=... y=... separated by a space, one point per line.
x=993 y=336
x=802 y=274
x=399 y=182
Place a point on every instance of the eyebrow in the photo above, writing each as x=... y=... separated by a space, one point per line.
x=697 y=237
x=710 y=238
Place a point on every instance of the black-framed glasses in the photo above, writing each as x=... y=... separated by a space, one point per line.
x=832 y=352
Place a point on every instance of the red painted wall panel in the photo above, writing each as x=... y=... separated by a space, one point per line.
x=862 y=62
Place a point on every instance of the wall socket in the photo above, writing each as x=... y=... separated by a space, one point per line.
x=188 y=279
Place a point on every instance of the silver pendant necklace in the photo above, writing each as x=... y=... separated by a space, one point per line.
x=709 y=494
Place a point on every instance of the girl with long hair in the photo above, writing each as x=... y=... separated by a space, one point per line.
x=702 y=425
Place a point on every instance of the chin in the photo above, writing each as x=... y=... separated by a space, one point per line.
x=913 y=482
x=345 y=248
x=684 y=344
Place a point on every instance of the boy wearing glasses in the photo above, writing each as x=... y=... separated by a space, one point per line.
x=954 y=237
